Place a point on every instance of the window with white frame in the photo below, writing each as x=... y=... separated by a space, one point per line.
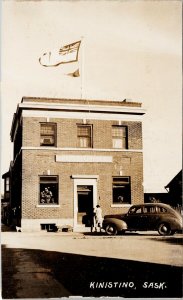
x=119 y=137
x=48 y=134
x=48 y=190
x=121 y=190
x=84 y=136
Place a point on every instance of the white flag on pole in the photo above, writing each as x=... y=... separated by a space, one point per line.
x=63 y=55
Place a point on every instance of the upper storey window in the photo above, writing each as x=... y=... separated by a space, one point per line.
x=119 y=137
x=48 y=134
x=84 y=136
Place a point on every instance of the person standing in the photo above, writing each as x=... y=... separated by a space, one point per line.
x=98 y=218
x=91 y=216
x=46 y=196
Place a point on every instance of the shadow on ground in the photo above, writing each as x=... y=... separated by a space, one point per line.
x=173 y=241
x=5 y=228
x=81 y=275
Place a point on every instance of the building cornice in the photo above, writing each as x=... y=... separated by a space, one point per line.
x=80 y=149
x=106 y=108
x=125 y=102
x=89 y=108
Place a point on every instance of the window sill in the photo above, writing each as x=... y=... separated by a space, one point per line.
x=119 y=148
x=49 y=146
x=48 y=205
x=121 y=205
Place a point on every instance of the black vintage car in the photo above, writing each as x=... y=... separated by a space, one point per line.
x=144 y=217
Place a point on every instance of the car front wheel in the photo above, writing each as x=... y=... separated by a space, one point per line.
x=111 y=229
x=164 y=229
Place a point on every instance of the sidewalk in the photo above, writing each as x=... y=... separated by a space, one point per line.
x=86 y=233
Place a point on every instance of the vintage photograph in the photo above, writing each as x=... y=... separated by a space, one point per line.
x=91 y=149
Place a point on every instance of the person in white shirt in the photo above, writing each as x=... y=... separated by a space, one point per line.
x=98 y=218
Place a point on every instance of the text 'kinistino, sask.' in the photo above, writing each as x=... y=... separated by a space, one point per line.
x=126 y=284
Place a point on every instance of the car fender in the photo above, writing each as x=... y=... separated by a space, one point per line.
x=120 y=224
x=173 y=223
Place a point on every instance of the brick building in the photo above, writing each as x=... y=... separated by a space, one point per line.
x=70 y=155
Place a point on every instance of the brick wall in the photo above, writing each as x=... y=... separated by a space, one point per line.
x=36 y=163
x=67 y=132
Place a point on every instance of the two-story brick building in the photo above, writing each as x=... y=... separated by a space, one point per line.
x=70 y=155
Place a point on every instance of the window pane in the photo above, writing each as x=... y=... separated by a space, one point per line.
x=135 y=210
x=48 y=190
x=48 y=132
x=84 y=142
x=47 y=140
x=121 y=180
x=84 y=134
x=84 y=131
x=119 y=137
x=121 y=190
x=47 y=129
x=119 y=131
x=138 y=211
x=117 y=143
x=149 y=209
x=48 y=179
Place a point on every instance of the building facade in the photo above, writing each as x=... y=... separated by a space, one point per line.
x=70 y=155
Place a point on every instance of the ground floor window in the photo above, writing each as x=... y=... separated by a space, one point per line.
x=48 y=190
x=49 y=227
x=121 y=190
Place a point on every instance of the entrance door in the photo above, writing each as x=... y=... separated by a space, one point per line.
x=85 y=197
x=85 y=201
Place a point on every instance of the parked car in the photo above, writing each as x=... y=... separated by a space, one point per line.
x=144 y=217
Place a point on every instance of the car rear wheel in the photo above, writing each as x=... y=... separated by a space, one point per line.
x=111 y=229
x=164 y=229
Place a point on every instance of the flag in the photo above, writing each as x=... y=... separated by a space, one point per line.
x=66 y=54
x=74 y=74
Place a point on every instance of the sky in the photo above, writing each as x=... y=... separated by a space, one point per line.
x=129 y=50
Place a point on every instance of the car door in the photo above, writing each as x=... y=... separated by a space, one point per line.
x=151 y=217
x=135 y=218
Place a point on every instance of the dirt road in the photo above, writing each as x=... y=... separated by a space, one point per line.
x=54 y=265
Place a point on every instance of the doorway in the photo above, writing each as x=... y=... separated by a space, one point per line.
x=85 y=201
x=85 y=197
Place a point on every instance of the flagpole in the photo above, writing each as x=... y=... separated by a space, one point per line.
x=82 y=65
